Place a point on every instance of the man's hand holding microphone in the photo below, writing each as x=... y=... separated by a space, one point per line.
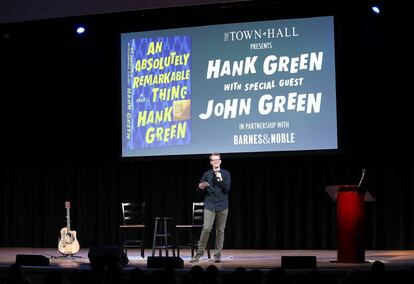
x=218 y=176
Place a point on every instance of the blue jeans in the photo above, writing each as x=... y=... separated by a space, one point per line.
x=209 y=217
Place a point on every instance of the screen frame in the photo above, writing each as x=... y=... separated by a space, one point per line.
x=257 y=12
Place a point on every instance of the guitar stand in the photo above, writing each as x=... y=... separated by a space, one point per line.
x=68 y=256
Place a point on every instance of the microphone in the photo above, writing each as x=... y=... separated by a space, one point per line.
x=362 y=177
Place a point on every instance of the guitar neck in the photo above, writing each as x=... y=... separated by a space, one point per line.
x=68 y=218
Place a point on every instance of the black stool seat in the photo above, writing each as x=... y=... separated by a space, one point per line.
x=161 y=236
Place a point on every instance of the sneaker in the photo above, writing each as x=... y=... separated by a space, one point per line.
x=217 y=257
x=196 y=258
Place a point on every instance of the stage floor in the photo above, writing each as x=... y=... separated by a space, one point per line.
x=231 y=259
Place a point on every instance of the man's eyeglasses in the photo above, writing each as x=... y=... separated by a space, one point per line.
x=215 y=160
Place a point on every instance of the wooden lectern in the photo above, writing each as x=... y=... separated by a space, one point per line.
x=350 y=215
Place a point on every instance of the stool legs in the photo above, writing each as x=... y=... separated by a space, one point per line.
x=154 y=240
x=161 y=231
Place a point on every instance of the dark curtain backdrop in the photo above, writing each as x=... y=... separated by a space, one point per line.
x=60 y=99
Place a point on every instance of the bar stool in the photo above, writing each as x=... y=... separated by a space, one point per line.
x=161 y=235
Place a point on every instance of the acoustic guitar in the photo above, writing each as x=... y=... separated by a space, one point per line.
x=68 y=244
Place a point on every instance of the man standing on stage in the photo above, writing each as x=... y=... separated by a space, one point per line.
x=215 y=186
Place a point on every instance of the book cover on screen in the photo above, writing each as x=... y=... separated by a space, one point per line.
x=159 y=92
